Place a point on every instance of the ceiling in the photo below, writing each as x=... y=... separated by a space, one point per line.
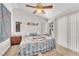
x=56 y=10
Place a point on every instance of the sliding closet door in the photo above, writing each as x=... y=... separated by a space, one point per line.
x=72 y=31
x=77 y=31
x=67 y=28
x=61 y=25
x=6 y=23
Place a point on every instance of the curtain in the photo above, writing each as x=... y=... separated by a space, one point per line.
x=67 y=28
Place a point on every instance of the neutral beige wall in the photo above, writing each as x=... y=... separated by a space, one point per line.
x=24 y=17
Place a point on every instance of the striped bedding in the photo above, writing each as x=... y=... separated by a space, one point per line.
x=28 y=47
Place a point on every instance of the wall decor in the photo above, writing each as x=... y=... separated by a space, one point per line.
x=37 y=24
x=52 y=25
x=18 y=26
x=28 y=23
x=32 y=24
x=52 y=29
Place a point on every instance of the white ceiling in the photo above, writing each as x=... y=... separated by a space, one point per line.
x=56 y=10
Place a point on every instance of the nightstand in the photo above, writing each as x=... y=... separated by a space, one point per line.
x=15 y=40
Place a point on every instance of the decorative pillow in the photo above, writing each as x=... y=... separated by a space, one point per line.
x=33 y=34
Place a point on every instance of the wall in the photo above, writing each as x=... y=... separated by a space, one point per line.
x=6 y=44
x=51 y=20
x=25 y=17
x=10 y=7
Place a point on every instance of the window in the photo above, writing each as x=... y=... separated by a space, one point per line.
x=18 y=26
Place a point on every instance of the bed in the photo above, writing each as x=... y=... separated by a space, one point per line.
x=32 y=45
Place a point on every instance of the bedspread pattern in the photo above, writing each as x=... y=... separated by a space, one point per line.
x=30 y=49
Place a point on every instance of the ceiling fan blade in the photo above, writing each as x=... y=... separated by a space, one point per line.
x=30 y=6
x=34 y=12
x=46 y=7
x=43 y=12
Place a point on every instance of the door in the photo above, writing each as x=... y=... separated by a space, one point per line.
x=77 y=27
x=72 y=31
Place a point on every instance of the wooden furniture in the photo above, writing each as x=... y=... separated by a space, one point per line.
x=15 y=40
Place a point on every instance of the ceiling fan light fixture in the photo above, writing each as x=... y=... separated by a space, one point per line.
x=39 y=10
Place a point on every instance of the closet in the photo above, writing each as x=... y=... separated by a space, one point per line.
x=67 y=31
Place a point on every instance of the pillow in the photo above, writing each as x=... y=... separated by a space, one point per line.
x=34 y=34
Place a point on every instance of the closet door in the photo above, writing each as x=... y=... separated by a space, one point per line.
x=6 y=23
x=68 y=31
x=72 y=32
x=61 y=28
x=77 y=31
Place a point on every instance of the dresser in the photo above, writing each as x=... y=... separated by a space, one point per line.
x=15 y=40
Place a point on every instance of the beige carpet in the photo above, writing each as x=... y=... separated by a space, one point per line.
x=59 y=51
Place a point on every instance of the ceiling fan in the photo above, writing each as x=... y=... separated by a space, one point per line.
x=40 y=8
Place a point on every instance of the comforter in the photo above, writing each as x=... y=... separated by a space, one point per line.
x=31 y=46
